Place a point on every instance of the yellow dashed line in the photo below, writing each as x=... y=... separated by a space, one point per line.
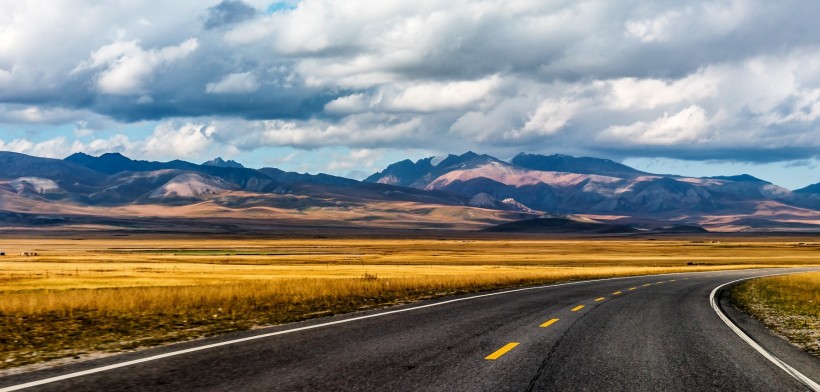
x=599 y=299
x=616 y=293
x=632 y=288
x=648 y=284
x=548 y=323
x=577 y=308
x=501 y=351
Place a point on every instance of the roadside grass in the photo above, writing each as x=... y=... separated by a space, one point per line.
x=105 y=295
x=789 y=305
x=47 y=324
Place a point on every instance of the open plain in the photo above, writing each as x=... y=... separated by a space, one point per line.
x=82 y=296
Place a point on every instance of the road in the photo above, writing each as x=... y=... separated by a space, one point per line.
x=654 y=333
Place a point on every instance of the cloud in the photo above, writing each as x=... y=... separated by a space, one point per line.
x=228 y=12
x=235 y=83
x=650 y=93
x=126 y=67
x=189 y=140
x=712 y=79
x=361 y=159
x=652 y=29
x=60 y=147
x=690 y=125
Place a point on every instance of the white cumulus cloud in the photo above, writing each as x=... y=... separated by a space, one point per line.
x=186 y=141
x=690 y=125
x=126 y=66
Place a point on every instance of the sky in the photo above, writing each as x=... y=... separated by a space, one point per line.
x=701 y=88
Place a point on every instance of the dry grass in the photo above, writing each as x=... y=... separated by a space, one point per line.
x=789 y=304
x=82 y=296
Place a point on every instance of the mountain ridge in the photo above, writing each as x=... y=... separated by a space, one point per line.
x=472 y=189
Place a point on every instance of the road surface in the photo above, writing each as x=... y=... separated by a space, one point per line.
x=656 y=333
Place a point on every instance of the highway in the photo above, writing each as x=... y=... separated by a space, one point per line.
x=657 y=333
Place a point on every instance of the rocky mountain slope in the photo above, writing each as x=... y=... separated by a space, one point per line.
x=468 y=190
x=608 y=190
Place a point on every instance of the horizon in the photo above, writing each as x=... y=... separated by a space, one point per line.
x=700 y=89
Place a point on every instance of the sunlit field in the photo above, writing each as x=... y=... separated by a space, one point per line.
x=89 y=295
x=788 y=304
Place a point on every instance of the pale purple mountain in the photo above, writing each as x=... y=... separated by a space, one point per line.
x=433 y=190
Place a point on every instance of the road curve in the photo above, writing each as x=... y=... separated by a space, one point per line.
x=641 y=333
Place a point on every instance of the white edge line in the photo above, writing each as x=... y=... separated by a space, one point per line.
x=771 y=357
x=229 y=342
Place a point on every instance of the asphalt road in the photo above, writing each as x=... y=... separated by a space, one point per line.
x=654 y=333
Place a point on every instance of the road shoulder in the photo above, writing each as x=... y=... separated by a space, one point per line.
x=776 y=345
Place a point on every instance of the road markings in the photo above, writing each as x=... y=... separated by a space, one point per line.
x=119 y=365
x=616 y=293
x=577 y=308
x=632 y=288
x=501 y=351
x=548 y=323
x=648 y=284
x=771 y=357
x=599 y=299
x=659 y=282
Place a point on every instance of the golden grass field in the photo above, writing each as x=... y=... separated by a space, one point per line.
x=107 y=294
x=789 y=304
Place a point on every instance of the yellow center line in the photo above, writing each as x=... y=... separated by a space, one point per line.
x=548 y=323
x=577 y=308
x=648 y=284
x=616 y=293
x=659 y=282
x=599 y=299
x=673 y=280
x=501 y=351
x=632 y=288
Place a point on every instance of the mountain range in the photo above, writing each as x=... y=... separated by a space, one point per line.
x=468 y=191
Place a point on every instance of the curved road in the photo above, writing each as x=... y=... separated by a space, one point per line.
x=641 y=333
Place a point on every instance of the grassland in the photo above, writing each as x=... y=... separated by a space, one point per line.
x=82 y=296
x=790 y=305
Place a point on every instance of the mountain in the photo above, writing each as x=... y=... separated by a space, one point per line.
x=467 y=191
x=422 y=172
x=603 y=189
x=219 y=162
x=739 y=178
x=483 y=191
x=570 y=164
x=67 y=175
x=284 y=177
x=113 y=163
x=192 y=186
x=811 y=189
x=114 y=190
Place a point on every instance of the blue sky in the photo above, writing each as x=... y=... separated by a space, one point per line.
x=715 y=87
